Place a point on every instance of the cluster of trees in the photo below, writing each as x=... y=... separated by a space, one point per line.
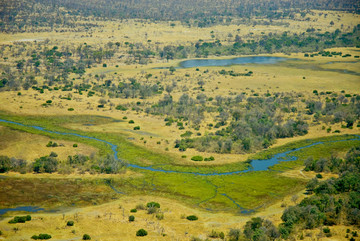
x=336 y=200
x=27 y=15
x=128 y=88
x=248 y=123
x=49 y=164
x=270 y=43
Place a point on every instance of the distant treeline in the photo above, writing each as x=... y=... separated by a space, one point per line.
x=19 y=13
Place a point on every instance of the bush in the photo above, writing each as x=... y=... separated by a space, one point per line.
x=192 y=218
x=153 y=204
x=131 y=121
x=209 y=159
x=41 y=236
x=137 y=128
x=120 y=107
x=134 y=210
x=86 y=237
x=70 y=223
x=131 y=218
x=326 y=230
x=70 y=109
x=20 y=219
x=319 y=176
x=197 y=158
x=141 y=232
x=75 y=145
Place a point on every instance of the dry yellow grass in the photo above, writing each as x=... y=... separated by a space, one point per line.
x=27 y=146
x=110 y=221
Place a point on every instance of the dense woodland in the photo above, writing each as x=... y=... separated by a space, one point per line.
x=20 y=15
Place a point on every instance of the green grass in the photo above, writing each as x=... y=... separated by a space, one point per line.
x=251 y=190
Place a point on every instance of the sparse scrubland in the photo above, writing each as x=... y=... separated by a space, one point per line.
x=103 y=124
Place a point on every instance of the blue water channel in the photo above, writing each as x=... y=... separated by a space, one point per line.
x=32 y=209
x=256 y=165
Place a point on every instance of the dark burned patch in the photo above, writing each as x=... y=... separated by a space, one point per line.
x=50 y=192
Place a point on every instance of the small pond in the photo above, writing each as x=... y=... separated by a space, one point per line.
x=227 y=62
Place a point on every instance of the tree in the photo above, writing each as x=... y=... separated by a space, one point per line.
x=45 y=164
x=5 y=164
x=172 y=69
x=234 y=234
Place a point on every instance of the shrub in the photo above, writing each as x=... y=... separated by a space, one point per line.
x=131 y=218
x=319 y=176
x=70 y=223
x=86 y=237
x=20 y=219
x=197 y=158
x=70 y=109
x=51 y=144
x=209 y=159
x=326 y=230
x=192 y=218
x=120 y=107
x=137 y=128
x=75 y=145
x=153 y=204
x=133 y=210
x=141 y=232
x=41 y=236
x=131 y=122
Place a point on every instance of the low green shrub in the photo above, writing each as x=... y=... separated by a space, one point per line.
x=70 y=223
x=192 y=218
x=197 y=158
x=86 y=237
x=20 y=219
x=141 y=232
x=41 y=236
x=153 y=204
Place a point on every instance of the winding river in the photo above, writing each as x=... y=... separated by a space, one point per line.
x=256 y=165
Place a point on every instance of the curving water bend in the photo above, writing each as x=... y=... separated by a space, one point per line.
x=256 y=165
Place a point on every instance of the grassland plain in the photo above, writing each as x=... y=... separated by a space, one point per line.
x=104 y=200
